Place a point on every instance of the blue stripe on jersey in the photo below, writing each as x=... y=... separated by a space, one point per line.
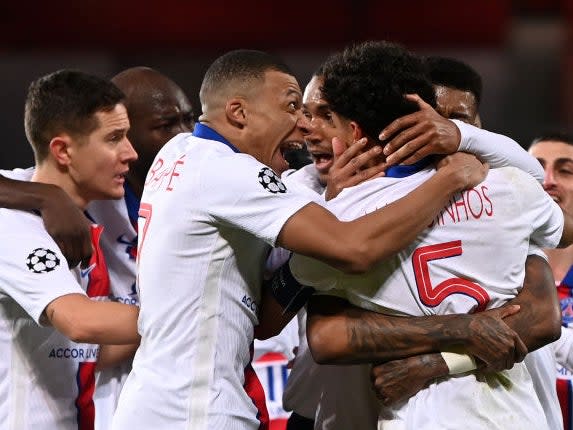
x=568 y=281
x=132 y=203
x=402 y=170
x=206 y=132
x=271 y=382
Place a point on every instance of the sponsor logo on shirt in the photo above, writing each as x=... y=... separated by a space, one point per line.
x=250 y=303
x=85 y=272
x=563 y=373
x=42 y=260
x=270 y=181
x=131 y=299
x=84 y=354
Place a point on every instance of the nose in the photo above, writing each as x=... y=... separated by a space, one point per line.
x=549 y=179
x=303 y=124
x=313 y=135
x=128 y=154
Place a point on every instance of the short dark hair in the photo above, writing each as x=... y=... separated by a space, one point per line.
x=65 y=101
x=367 y=83
x=554 y=135
x=240 y=65
x=453 y=73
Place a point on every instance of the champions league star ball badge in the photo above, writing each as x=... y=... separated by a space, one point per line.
x=42 y=260
x=270 y=181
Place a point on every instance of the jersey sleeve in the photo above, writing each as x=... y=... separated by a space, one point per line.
x=544 y=215
x=18 y=174
x=34 y=271
x=314 y=273
x=246 y=194
x=536 y=250
x=498 y=150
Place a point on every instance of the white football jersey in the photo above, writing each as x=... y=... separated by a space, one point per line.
x=470 y=258
x=46 y=381
x=207 y=219
x=119 y=244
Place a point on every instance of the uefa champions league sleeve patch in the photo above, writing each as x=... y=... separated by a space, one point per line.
x=42 y=260
x=270 y=181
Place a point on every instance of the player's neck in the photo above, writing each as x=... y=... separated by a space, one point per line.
x=48 y=174
x=560 y=261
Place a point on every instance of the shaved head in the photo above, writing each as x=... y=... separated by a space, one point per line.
x=236 y=74
x=143 y=86
x=158 y=110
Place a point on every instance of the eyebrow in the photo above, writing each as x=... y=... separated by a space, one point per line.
x=122 y=130
x=322 y=107
x=563 y=160
x=172 y=115
x=558 y=161
x=293 y=91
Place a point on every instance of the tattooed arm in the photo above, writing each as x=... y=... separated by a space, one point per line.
x=491 y=336
x=537 y=323
x=339 y=333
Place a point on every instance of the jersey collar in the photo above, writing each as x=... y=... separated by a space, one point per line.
x=132 y=204
x=205 y=132
x=402 y=170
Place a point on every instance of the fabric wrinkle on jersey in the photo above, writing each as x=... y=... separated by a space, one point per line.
x=208 y=217
x=47 y=380
x=468 y=221
x=119 y=245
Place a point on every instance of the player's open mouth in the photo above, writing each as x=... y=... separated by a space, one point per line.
x=121 y=177
x=290 y=146
x=321 y=160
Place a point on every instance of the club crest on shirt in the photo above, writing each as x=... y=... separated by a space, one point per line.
x=42 y=260
x=270 y=181
x=567 y=310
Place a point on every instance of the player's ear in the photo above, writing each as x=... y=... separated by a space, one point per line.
x=236 y=111
x=357 y=132
x=60 y=149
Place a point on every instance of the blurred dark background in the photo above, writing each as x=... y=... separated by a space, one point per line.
x=523 y=49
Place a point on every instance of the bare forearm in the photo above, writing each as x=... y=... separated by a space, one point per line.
x=63 y=220
x=25 y=195
x=114 y=355
x=87 y=321
x=272 y=318
x=111 y=323
x=342 y=334
x=355 y=246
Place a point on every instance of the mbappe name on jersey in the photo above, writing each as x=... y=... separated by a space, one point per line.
x=162 y=176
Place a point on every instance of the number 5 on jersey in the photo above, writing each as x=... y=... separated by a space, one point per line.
x=432 y=296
